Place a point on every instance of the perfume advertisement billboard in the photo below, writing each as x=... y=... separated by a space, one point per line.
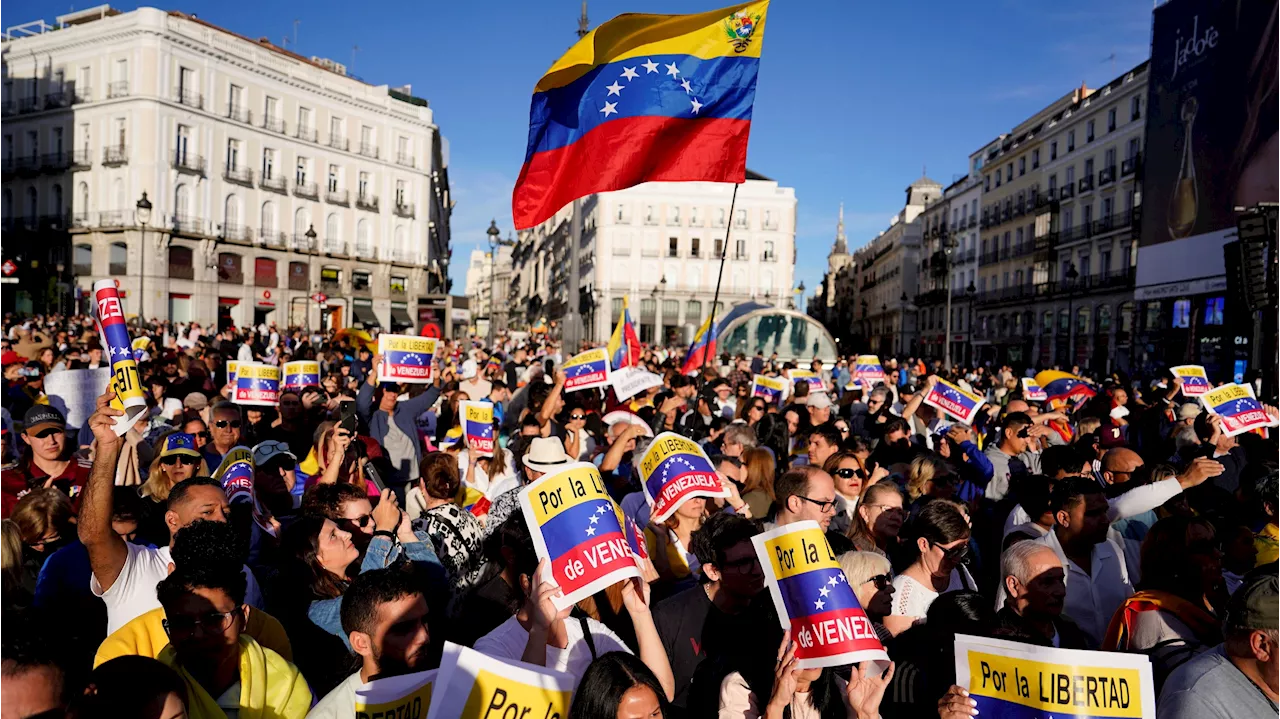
x=1211 y=142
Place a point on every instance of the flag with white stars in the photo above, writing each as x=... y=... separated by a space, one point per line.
x=406 y=358
x=808 y=377
x=814 y=599
x=1195 y=381
x=301 y=373
x=868 y=370
x=1239 y=409
x=118 y=349
x=576 y=526
x=1020 y=680
x=236 y=473
x=772 y=389
x=1033 y=392
x=1059 y=385
x=676 y=90
x=674 y=469
x=587 y=370
x=257 y=385
x=477 y=427
x=954 y=400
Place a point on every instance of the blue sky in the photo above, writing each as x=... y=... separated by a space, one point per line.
x=853 y=100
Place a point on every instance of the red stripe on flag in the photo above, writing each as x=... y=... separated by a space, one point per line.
x=625 y=152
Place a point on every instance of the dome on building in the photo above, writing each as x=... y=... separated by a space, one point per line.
x=794 y=336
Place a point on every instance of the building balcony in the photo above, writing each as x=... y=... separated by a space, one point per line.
x=57 y=99
x=274 y=184
x=989 y=258
x=188 y=97
x=338 y=142
x=301 y=243
x=334 y=246
x=82 y=95
x=240 y=114
x=404 y=209
x=8 y=108
x=1106 y=175
x=79 y=159
x=27 y=165
x=367 y=202
x=28 y=104
x=187 y=225
x=1066 y=191
x=238 y=175
x=189 y=163
x=81 y=220
x=55 y=162
x=406 y=160
x=403 y=256
x=270 y=237
x=307 y=134
x=1131 y=165
x=764 y=256
x=273 y=124
x=112 y=218
x=309 y=190
x=119 y=88
x=369 y=150
x=113 y=156
x=338 y=197
x=1020 y=209
x=973 y=222
x=237 y=233
x=1085 y=184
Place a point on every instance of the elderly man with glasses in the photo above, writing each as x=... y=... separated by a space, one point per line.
x=224 y=433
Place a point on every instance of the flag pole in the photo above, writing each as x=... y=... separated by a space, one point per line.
x=724 y=252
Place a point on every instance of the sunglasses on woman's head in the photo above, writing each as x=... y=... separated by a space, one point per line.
x=186 y=459
x=224 y=423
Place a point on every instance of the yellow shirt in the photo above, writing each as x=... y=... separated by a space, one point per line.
x=270 y=687
x=145 y=636
x=1268 y=543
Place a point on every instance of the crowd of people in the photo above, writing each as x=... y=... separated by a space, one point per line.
x=138 y=581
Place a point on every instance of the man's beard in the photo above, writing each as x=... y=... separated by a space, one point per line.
x=394 y=667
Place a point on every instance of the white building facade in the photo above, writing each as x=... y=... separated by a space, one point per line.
x=660 y=244
x=273 y=178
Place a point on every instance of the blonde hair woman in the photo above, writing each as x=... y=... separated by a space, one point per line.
x=177 y=460
x=758 y=490
x=928 y=476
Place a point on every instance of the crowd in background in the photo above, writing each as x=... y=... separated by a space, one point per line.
x=136 y=582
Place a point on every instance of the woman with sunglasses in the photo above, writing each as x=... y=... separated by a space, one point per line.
x=871 y=577
x=939 y=544
x=850 y=476
x=878 y=519
x=752 y=411
x=177 y=460
x=578 y=442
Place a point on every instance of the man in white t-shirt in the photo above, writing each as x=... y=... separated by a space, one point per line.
x=384 y=614
x=125 y=574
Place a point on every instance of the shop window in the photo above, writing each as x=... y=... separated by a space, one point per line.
x=1182 y=313
x=1213 y=310
x=360 y=280
x=1151 y=316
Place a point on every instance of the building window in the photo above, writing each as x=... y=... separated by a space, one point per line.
x=649 y=219
x=1053 y=150
x=1088 y=131
x=269 y=108
x=304 y=120
x=1088 y=167
x=268 y=164
x=695 y=247
x=333 y=178
x=1053 y=186
x=398 y=285
x=1035 y=159
x=1008 y=175
x=673 y=247
x=363 y=184
x=233 y=154
x=301 y=172
x=1213 y=310
x=1022 y=166
x=986 y=183
x=1071 y=140
x=400 y=193
x=1182 y=313
x=719 y=246
x=999 y=176
x=673 y=215
x=768 y=249
x=1135 y=108
x=740 y=219
x=1111 y=120
x=740 y=249
x=360 y=280
x=1133 y=148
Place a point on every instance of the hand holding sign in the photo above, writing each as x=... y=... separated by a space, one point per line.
x=471 y=685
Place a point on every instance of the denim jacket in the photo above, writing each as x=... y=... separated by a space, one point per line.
x=381 y=553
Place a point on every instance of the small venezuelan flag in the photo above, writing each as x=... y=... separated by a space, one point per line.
x=642 y=98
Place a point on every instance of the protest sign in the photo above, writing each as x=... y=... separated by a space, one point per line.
x=1239 y=409
x=1033 y=392
x=130 y=397
x=1194 y=380
x=587 y=370
x=408 y=695
x=1027 y=681
x=867 y=369
x=808 y=376
x=956 y=402
x=575 y=526
x=232 y=367
x=302 y=373
x=74 y=392
x=630 y=381
x=772 y=389
x=257 y=385
x=674 y=468
x=814 y=599
x=405 y=358
x=477 y=428
x=236 y=473
x=471 y=685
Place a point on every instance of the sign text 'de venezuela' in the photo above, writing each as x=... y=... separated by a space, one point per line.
x=954 y=401
x=587 y=370
x=1195 y=381
x=814 y=599
x=1025 y=681
x=257 y=385
x=674 y=469
x=574 y=525
x=1239 y=409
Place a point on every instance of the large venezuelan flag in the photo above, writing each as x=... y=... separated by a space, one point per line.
x=642 y=98
x=624 y=345
x=1063 y=385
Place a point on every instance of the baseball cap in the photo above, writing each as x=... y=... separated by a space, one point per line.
x=264 y=452
x=9 y=357
x=196 y=401
x=179 y=443
x=819 y=400
x=1256 y=604
x=1110 y=436
x=1188 y=410
x=41 y=416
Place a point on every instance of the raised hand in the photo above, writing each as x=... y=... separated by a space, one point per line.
x=103 y=420
x=866 y=688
